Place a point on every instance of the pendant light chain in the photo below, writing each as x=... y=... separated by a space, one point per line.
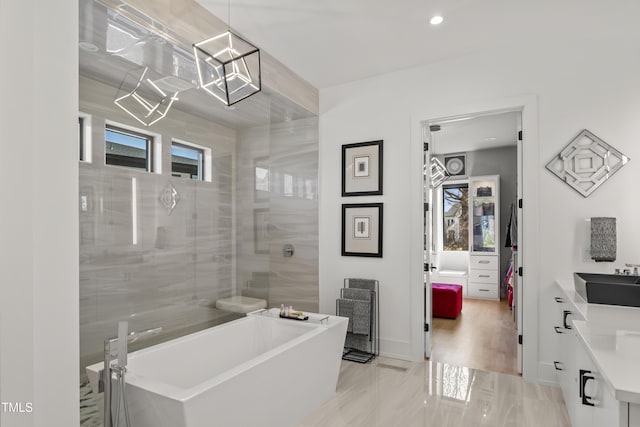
x=229 y=14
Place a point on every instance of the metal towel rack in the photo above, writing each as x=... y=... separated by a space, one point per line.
x=359 y=346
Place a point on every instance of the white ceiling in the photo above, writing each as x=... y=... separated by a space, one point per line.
x=329 y=42
x=475 y=133
x=123 y=48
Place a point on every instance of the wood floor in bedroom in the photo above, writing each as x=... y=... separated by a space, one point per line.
x=484 y=336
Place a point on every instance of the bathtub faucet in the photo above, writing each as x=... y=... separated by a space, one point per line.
x=117 y=348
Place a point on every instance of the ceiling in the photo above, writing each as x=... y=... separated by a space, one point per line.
x=475 y=133
x=116 y=50
x=330 y=42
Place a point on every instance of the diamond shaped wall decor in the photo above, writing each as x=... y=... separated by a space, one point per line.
x=586 y=163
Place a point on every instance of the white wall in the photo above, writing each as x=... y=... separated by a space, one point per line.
x=595 y=87
x=39 y=213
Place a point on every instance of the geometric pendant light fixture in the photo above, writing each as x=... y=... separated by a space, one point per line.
x=144 y=99
x=439 y=173
x=228 y=67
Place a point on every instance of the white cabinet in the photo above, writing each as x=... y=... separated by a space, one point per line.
x=596 y=404
x=587 y=342
x=484 y=237
x=565 y=354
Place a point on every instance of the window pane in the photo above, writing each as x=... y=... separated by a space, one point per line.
x=262 y=178
x=455 y=227
x=126 y=149
x=81 y=138
x=186 y=161
x=288 y=184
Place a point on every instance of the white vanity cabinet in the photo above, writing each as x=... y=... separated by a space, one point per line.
x=595 y=401
x=591 y=368
x=565 y=353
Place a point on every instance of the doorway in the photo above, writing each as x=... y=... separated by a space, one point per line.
x=471 y=240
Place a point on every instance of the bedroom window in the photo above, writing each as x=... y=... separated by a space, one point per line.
x=455 y=214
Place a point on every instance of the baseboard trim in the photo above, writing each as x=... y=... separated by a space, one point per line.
x=395 y=349
x=547 y=374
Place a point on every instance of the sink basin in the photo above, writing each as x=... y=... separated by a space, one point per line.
x=613 y=289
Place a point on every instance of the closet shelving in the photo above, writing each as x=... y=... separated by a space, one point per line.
x=484 y=237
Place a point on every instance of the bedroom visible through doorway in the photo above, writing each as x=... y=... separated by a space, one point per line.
x=472 y=240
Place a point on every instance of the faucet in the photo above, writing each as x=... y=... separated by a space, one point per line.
x=117 y=348
x=635 y=268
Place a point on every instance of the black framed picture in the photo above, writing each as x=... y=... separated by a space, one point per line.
x=362 y=229
x=362 y=169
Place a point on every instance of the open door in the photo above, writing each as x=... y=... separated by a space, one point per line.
x=427 y=206
x=518 y=282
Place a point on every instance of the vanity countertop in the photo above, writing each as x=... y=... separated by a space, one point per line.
x=611 y=336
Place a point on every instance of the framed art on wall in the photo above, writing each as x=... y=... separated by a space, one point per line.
x=362 y=229
x=456 y=165
x=362 y=169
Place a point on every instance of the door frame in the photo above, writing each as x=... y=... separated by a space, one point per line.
x=528 y=106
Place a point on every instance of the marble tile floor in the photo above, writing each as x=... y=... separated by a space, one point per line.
x=389 y=392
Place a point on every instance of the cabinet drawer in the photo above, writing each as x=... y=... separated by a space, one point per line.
x=484 y=276
x=479 y=262
x=482 y=290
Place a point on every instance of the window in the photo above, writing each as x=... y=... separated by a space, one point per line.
x=455 y=214
x=127 y=148
x=84 y=137
x=81 y=151
x=186 y=161
x=288 y=184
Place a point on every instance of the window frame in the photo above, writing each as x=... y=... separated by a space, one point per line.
x=443 y=226
x=151 y=163
x=201 y=158
x=205 y=167
x=84 y=138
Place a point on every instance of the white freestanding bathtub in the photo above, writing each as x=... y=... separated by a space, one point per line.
x=260 y=370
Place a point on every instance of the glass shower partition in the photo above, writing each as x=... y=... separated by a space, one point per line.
x=160 y=250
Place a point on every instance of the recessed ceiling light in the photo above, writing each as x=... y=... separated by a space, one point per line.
x=436 y=20
x=491 y=138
